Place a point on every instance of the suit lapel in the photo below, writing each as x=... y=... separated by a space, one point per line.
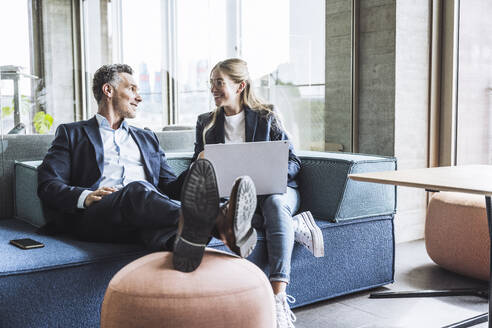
x=250 y=122
x=218 y=130
x=91 y=127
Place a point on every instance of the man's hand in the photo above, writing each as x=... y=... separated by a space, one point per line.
x=201 y=155
x=97 y=195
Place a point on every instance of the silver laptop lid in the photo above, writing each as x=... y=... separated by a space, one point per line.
x=266 y=162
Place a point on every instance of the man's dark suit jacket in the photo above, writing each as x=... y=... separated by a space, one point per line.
x=260 y=126
x=75 y=162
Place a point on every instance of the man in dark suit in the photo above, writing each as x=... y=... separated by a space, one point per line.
x=104 y=180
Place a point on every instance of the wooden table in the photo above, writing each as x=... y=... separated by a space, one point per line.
x=473 y=179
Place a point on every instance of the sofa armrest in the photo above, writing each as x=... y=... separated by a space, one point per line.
x=179 y=161
x=330 y=195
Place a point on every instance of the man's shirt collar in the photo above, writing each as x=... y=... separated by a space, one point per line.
x=103 y=122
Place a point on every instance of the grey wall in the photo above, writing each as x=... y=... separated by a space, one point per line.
x=377 y=76
x=393 y=82
x=338 y=76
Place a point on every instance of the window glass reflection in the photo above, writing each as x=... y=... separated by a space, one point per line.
x=16 y=103
x=474 y=118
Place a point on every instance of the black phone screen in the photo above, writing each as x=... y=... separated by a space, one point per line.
x=26 y=243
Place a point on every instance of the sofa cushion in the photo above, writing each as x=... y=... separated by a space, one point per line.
x=330 y=195
x=68 y=277
x=59 y=285
x=59 y=251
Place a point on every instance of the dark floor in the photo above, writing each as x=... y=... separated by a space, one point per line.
x=414 y=270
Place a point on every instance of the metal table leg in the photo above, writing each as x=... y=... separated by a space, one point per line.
x=457 y=292
x=483 y=317
x=489 y=219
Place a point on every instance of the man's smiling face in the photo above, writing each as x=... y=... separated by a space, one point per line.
x=126 y=97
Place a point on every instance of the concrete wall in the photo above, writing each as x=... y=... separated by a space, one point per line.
x=393 y=90
x=377 y=21
x=338 y=76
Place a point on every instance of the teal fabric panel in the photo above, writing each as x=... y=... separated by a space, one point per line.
x=363 y=199
x=330 y=195
x=321 y=184
x=18 y=147
x=179 y=161
x=27 y=204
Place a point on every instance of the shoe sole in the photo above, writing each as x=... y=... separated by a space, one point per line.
x=244 y=198
x=318 y=243
x=200 y=207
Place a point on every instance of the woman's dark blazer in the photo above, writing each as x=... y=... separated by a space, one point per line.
x=260 y=126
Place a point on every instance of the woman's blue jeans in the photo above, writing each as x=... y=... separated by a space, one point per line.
x=277 y=211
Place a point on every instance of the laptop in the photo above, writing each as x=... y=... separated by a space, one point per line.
x=266 y=162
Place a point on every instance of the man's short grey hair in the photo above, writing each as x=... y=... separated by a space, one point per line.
x=108 y=74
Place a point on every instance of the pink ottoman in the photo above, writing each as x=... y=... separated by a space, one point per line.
x=457 y=233
x=224 y=291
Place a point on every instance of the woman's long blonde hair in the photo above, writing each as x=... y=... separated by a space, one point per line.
x=237 y=70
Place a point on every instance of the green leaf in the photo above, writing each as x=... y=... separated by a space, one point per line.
x=25 y=99
x=39 y=116
x=7 y=111
x=42 y=122
x=49 y=119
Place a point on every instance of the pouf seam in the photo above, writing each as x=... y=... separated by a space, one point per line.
x=185 y=297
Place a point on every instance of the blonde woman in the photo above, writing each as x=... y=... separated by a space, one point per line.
x=241 y=117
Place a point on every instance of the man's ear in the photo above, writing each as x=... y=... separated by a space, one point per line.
x=107 y=90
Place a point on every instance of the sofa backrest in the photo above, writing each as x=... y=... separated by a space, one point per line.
x=34 y=147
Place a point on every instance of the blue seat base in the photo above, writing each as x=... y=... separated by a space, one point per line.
x=63 y=284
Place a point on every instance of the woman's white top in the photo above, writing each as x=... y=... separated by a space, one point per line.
x=234 y=128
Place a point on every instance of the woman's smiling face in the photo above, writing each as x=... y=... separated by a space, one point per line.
x=225 y=91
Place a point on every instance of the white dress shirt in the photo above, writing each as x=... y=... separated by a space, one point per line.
x=122 y=159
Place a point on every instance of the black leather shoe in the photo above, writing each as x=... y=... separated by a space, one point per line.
x=199 y=208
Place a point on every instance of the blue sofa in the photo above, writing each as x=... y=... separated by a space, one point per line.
x=63 y=284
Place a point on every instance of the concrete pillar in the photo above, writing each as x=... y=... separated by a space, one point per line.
x=338 y=75
x=377 y=77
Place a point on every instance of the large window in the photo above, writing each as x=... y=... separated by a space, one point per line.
x=284 y=44
x=15 y=69
x=474 y=105
x=172 y=45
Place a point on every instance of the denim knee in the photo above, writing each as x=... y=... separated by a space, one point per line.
x=275 y=204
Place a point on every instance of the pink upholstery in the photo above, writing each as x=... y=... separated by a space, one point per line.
x=457 y=235
x=224 y=291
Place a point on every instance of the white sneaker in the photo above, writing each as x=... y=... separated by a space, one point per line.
x=307 y=233
x=285 y=317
